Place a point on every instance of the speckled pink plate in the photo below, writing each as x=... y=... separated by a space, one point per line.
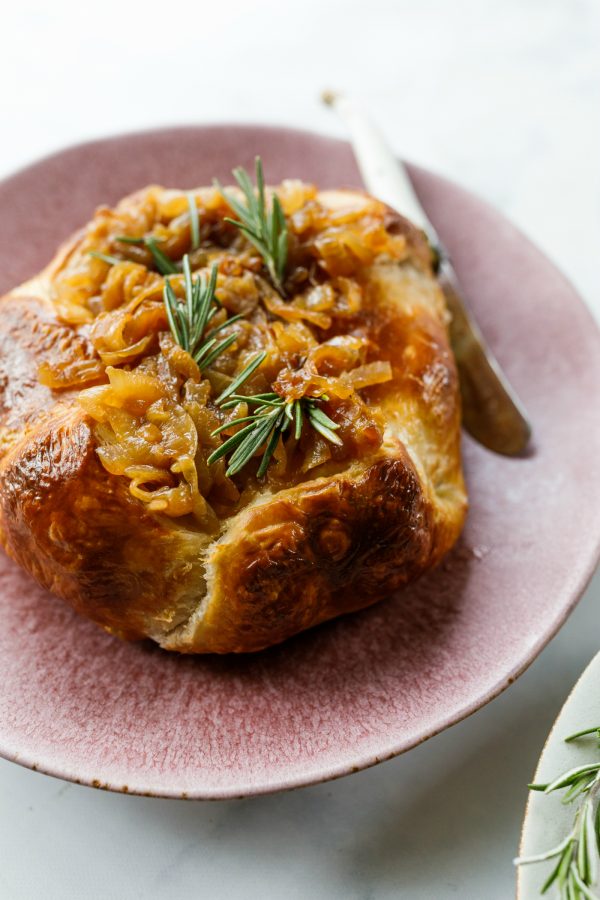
x=81 y=705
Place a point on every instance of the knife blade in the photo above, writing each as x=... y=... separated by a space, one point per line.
x=492 y=412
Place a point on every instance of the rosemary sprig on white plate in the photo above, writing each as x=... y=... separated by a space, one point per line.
x=264 y=227
x=577 y=857
x=272 y=417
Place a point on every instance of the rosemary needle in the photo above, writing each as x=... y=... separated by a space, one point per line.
x=105 y=257
x=241 y=378
x=162 y=262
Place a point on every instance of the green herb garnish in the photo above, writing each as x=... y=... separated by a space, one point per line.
x=194 y=220
x=188 y=320
x=272 y=418
x=162 y=262
x=265 y=228
x=239 y=380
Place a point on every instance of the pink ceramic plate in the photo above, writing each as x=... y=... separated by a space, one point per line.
x=79 y=704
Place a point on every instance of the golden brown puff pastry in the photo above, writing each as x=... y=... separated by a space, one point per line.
x=106 y=424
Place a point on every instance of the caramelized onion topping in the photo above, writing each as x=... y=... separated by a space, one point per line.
x=154 y=409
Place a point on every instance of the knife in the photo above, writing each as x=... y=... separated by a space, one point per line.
x=492 y=412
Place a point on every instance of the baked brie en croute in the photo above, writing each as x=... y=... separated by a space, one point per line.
x=227 y=416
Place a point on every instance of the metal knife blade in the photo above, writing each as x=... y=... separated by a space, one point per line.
x=492 y=412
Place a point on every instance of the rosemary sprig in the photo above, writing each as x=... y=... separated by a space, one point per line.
x=188 y=320
x=265 y=228
x=272 y=417
x=162 y=262
x=578 y=855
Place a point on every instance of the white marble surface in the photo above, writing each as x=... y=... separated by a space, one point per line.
x=502 y=97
